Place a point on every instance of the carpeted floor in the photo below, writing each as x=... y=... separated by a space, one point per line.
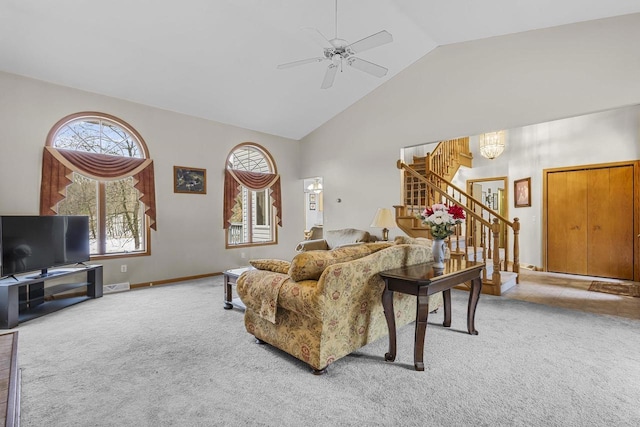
x=172 y=356
x=626 y=289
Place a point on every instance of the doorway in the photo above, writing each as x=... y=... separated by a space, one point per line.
x=493 y=193
x=313 y=206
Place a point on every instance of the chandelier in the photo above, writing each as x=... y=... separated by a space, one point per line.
x=492 y=144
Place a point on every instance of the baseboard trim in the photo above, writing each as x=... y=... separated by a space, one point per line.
x=174 y=280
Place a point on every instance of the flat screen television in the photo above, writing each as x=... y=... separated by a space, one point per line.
x=31 y=243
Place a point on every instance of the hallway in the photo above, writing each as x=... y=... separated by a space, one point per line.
x=571 y=291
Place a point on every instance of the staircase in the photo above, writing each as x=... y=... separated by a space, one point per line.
x=427 y=181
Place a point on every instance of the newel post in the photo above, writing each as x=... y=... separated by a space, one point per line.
x=516 y=248
x=495 y=276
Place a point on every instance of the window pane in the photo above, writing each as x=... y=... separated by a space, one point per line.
x=261 y=209
x=250 y=159
x=82 y=199
x=97 y=136
x=124 y=217
x=236 y=229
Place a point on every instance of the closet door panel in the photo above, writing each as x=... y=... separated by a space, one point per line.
x=567 y=222
x=575 y=217
x=610 y=248
x=611 y=222
x=599 y=216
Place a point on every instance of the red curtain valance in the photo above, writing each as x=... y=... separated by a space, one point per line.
x=235 y=179
x=58 y=166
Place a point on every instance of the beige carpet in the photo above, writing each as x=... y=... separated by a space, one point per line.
x=626 y=289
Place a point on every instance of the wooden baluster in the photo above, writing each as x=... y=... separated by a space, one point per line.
x=495 y=229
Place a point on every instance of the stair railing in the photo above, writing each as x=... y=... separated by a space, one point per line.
x=484 y=226
x=445 y=159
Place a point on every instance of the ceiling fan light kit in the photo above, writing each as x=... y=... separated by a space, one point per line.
x=339 y=52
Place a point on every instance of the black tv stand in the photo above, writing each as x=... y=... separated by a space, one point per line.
x=45 y=274
x=26 y=297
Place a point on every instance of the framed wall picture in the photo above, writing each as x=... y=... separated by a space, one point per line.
x=312 y=206
x=522 y=192
x=312 y=197
x=189 y=180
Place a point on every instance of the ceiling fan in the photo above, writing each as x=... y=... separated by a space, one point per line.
x=339 y=52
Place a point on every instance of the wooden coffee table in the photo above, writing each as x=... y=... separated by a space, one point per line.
x=422 y=280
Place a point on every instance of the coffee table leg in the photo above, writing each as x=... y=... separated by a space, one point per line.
x=228 y=296
x=446 y=296
x=422 y=313
x=474 y=296
x=387 y=305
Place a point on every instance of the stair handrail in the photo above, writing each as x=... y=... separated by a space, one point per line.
x=494 y=225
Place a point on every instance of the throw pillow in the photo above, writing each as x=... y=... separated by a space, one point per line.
x=400 y=240
x=275 y=265
x=310 y=265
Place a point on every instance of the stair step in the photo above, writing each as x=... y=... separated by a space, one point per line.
x=507 y=280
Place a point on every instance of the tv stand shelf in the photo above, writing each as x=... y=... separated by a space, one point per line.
x=26 y=297
x=64 y=287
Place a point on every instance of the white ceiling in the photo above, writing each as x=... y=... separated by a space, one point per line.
x=217 y=59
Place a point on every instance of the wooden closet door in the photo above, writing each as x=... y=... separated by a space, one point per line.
x=567 y=222
x=610 y=222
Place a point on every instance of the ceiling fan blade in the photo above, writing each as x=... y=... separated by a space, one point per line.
x=367 y=67
x=329 y=76
x=318 y=37
x=301 y=62
x=372 y=41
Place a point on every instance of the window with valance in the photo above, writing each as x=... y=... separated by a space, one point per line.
x=97 y=165
x=252 y=197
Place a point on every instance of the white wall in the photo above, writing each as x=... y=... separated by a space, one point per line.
x=469 y=88
x=190 y=238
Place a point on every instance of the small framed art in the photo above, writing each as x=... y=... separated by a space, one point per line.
x=189 y=180
x=522 y=192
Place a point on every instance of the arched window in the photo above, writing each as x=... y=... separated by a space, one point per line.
x=252 y=201
x=97 y=165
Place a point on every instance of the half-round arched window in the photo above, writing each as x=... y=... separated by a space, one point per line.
x=97 y=165
x=252 y=200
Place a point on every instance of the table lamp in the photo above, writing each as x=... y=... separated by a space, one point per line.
x=384 y=219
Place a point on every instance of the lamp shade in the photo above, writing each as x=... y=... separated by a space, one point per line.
x=383 y=219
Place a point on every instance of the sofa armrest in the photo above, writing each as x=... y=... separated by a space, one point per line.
x=312 y=245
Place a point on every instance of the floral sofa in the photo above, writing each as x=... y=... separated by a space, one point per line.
x=323 y=305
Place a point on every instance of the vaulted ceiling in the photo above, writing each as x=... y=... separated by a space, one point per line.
x=217 y=59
